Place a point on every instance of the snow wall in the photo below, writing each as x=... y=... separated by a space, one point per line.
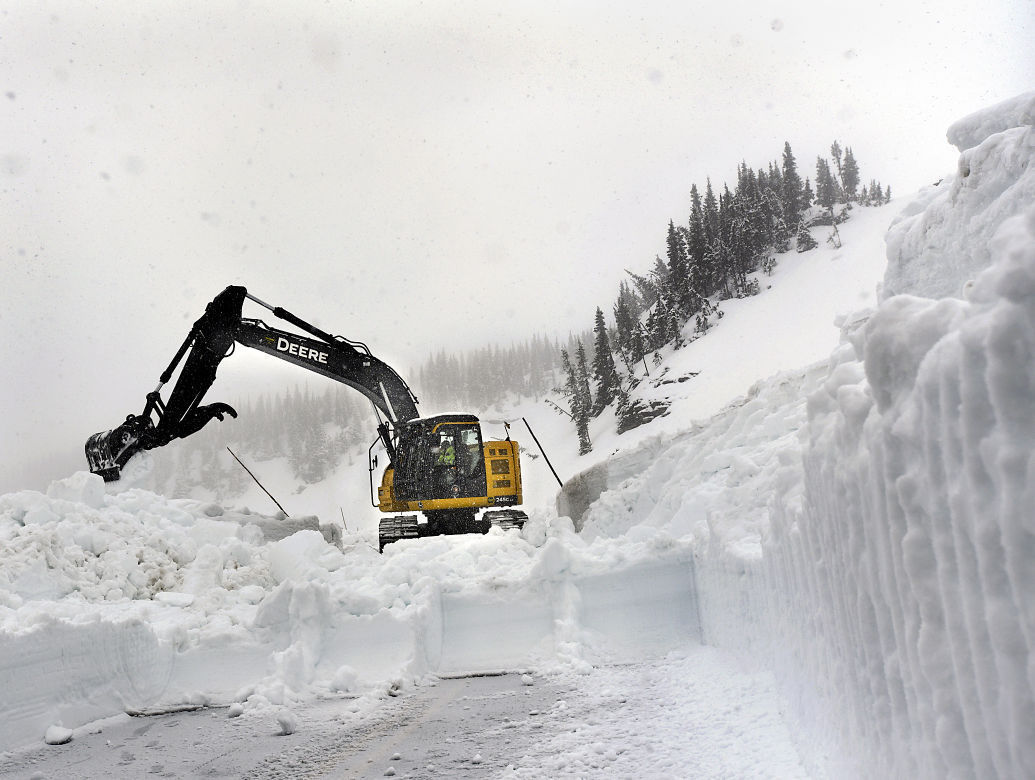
x=881 y=562
x=911 y=557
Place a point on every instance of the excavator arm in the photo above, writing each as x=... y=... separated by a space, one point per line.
x=211 y=339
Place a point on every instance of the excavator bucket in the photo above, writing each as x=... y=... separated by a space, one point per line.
x=108 y=451
x=98 y=456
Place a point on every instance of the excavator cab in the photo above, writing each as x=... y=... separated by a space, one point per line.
x=440 y=458
x=444 y=469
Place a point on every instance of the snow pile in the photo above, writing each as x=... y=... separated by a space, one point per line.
x=133 y=602
x=77 y=541
x=921 y=479
x=719 y=485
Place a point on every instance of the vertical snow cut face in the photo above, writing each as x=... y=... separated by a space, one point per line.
x=918 y=599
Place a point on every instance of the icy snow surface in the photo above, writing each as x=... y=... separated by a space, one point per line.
x=825 y=573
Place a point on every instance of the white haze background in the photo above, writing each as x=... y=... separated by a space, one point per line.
x=363 y=164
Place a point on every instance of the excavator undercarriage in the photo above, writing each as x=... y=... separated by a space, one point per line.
x=443 y=522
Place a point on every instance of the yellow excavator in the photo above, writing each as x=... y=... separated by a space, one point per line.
x=440 y=467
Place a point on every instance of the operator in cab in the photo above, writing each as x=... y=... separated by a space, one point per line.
x=446 y=453
x=445 y=471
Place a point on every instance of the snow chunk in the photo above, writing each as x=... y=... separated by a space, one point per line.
x=57 y=735
x=553 y=562
x=174 y=599
x=1013 y=278
x=287 y=721
x=975 y=128
x=345 y=679
x=898 y=336
x=945 y=238
x=303 y=556
x=80 y=488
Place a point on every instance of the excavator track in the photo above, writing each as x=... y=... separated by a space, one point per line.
x=506 y=518
x=392 y=529
x=398 y=527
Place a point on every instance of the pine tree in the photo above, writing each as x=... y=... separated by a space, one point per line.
x=655 y=334
x=711 y=214
x=646 y=287
x=582 y=429
x=628 y=334
x=835 y=153
x=571 y=384
x=850 y=175
x=804 y=239
x=637 y=347
x=663 y=323
x=826 y=187
x=622 y=409
x=582 y=374
x=792 y=188
x=585 y=402
x=623 y=321
x=677 y=270
x=603 y=365
x=576 y=402
x=808 y=197
x=826 y=196
x=697 y=245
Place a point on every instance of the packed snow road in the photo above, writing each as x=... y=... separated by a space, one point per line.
x=692 y=713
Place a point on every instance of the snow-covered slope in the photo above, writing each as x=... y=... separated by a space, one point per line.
x=136 y=602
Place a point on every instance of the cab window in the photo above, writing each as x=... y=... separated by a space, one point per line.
x=471 y=446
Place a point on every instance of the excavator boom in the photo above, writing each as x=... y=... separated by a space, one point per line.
x=210 y=340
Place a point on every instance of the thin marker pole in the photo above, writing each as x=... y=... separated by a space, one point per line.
x=258 y=483
x=548 y=463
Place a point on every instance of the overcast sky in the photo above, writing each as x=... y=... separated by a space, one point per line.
x=416 y=176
